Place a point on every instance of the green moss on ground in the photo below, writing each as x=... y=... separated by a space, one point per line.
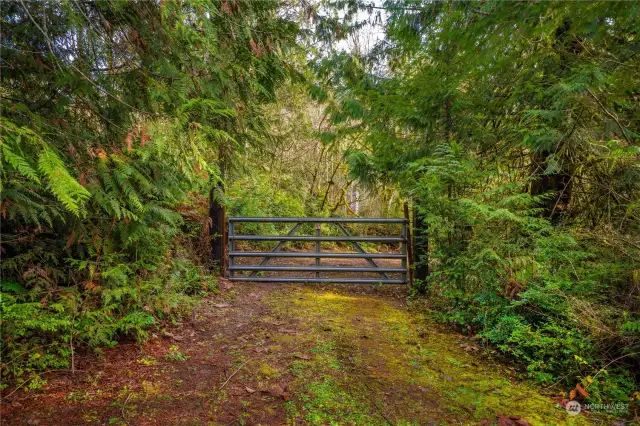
x=371 y=361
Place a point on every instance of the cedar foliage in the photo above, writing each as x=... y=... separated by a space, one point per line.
x=514 y=129
x=116 y=117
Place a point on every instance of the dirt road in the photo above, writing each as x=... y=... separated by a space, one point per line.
x=275 y=354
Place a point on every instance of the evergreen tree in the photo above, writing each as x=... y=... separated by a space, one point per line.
x=116 y=119
x=514 y=130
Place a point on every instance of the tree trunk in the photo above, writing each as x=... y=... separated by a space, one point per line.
x=558 y=184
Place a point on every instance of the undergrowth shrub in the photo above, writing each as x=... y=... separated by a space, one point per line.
x=83 y=284
x=552 y=298
x=41 y=331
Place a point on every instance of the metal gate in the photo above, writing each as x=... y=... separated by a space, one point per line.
x=318 y=271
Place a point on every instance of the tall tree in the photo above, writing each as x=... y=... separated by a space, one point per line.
x=116 y=116
x=514 y=127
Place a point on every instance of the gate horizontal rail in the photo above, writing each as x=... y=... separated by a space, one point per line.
x=313 y=254
x=319 y=219
x=313 y=268
x=320 y=280
x=317 y=254
x=311 y=238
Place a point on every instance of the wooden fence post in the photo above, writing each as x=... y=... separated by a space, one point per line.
x=409 y=243
x=218 y=229
x=421 y=247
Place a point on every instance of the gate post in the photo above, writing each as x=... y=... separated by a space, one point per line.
x=318 y=248
x=421 y=248
x=218 y=227
x=231 y=246
x=404 y=251
x=409 y=243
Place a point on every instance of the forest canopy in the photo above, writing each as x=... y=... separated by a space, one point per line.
x=512 y=129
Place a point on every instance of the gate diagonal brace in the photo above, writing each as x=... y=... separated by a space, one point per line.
x=359 y=248
x=278 y=247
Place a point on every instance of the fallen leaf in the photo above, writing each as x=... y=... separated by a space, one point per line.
x=303 y=356
x=505 y=421
x=248 y=389
x=224 y=284
x=173 y=336
x=222 y=305
x=468 y=347
x=279 y=391
x=583 y=392
x=512 y=421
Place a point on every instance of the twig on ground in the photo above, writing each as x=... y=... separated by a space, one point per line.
x=15 y=390
x=124 y=406
x=232 y=374
x=378 y=409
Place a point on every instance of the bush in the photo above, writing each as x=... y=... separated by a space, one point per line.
x=39 y=335
x=552 y=298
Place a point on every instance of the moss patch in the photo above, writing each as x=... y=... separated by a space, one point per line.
x=372 y=361
x=288 y=354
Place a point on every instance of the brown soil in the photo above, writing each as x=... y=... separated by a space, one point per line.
x=275 y=354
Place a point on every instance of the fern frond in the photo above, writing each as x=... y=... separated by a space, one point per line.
x=61 y=184
x=18 y=162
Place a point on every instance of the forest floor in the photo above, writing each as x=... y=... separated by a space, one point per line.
x=274 y=354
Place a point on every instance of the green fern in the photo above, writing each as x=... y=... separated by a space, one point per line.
x=19 y=162
x=65 y=188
